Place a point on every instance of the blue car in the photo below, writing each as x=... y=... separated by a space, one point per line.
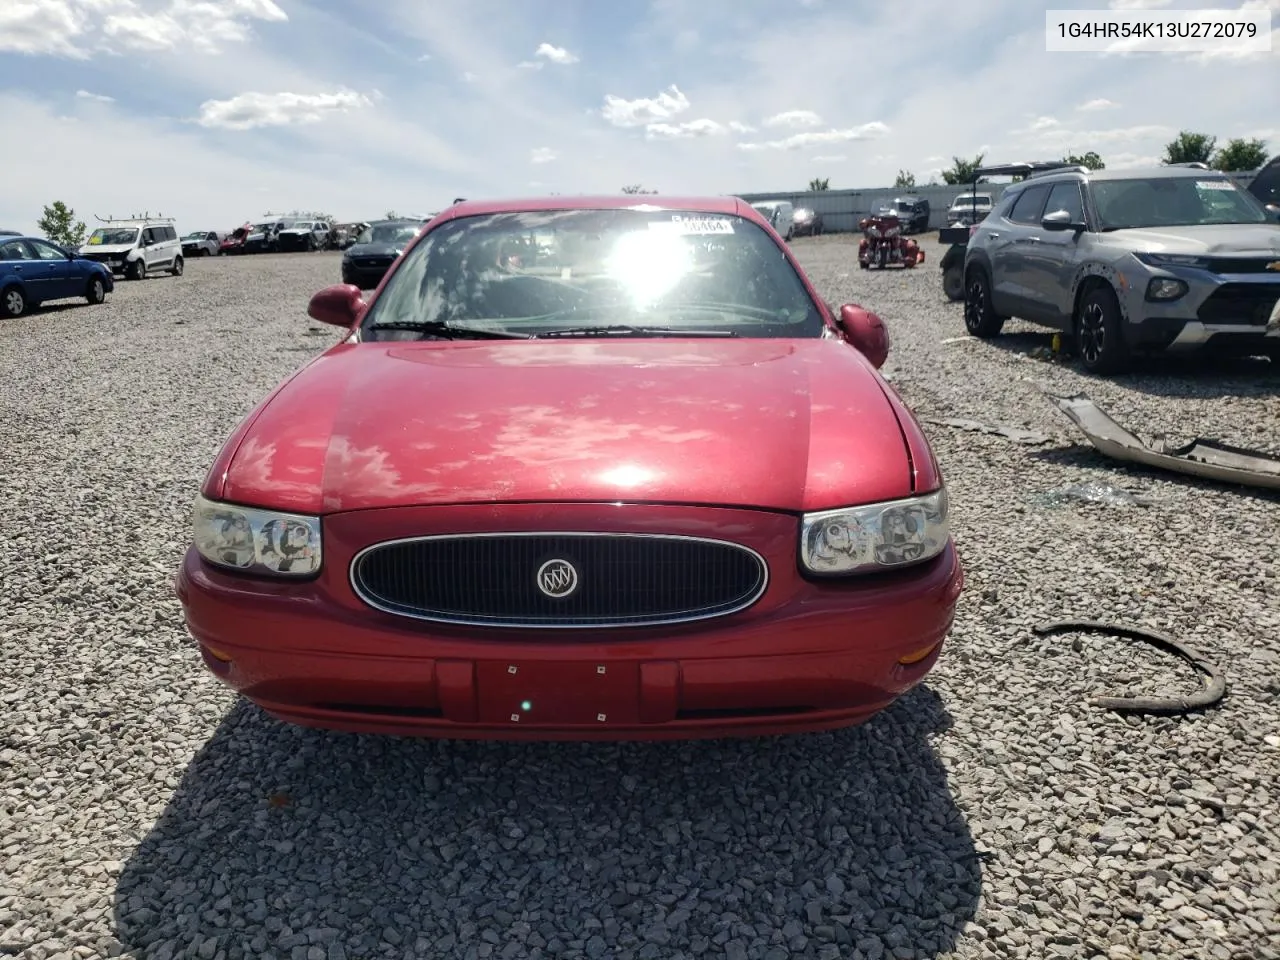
x=35 y=271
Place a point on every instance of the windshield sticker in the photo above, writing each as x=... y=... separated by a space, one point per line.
x=693 y=226
x=1214 y=185
x=95 y=240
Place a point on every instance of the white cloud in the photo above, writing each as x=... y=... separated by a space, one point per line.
x=682 y=131
x=469 y=77
x=1101 y=103
x=738 y=127
x=96 y=97
x=1043 y=123
x=1125 y=161
x=646 y=110
x=79 y=28
x=251 y=110
x=868 y=131
x=830 y=158
x=794 y=118
x=542 y=155
x=555 y=54
x=1138 y=4
x=424 y=58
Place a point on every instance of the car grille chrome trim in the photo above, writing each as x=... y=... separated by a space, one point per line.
x=627 y=579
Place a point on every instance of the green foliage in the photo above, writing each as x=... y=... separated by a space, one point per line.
x=1189 y=147
x=962 y=170
x=816 y=185
x=60 y=225
x=636 y=188
x=1241 y=154
x=1090 y=160
x=906 y=180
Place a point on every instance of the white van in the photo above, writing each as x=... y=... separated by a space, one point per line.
x=136 y=247
x=781 y=215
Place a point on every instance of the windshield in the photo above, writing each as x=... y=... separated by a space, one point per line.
x=111 y=236
x=973 y=200
x=261 y=227
x=1173 y=202
x=389 y=233
x=197 y=235
x=530 y=273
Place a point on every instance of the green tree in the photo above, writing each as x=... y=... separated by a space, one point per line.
x=636 y=188
x=60 y=225
x=390 y=215
x=906 y=180
x=962 y=171
x=1090 y=160
x=816 y=185
x=1241 y=154
x=1190 y=147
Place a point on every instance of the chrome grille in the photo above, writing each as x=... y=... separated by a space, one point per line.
x=621 y=579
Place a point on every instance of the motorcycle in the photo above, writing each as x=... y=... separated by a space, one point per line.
x=883 y=244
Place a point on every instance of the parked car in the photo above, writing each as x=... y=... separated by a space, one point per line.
x=1126 y=262
x=780 y=215
x=262 y=237
x=370 y=257
x=912 y=213
x=35 y=271
x=202 y=243
x=969 y=208
x=806 y=222
x=10 y=233
x=137 y=247
x=235 y=240
x=309 y=235
x=1266 y=186
x=743 y=532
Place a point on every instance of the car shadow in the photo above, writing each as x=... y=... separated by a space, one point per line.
x=280 y=838
x=1203 y=376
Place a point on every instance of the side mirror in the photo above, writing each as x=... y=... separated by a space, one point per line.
x=866 y=331
x=1060 y=220
x=339 y=305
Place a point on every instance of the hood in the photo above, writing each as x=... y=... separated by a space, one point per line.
x=92 y=249
x=376 y=249
x=775 y=424
x=1234 y=239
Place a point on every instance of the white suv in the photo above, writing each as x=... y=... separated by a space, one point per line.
x=136 y=247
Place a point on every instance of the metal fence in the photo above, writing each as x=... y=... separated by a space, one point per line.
x=842 y=209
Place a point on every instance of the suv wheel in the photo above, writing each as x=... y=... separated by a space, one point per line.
x=979 y=315
x=1099 y=334
x=137 y=269
x=176 y=269
x=953 y=283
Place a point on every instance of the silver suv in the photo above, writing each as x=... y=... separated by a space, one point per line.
x=1126 y=262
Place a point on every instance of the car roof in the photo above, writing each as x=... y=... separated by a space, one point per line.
x=606 y=202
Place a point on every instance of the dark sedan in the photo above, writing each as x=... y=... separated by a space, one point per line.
x=368 y=259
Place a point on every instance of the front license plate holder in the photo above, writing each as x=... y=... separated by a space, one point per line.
x=558 y=693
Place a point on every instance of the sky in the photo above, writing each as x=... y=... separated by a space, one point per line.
x=219 y=111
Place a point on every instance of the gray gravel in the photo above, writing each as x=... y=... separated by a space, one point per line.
x=145 y=812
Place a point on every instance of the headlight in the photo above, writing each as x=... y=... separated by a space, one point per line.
x=257 y=541
x=1172 y=260
x=879 y=537
x=1164 y=289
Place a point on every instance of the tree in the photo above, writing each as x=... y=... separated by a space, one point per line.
x=60 y=225
x=962 y=171
x=636 y=188
x=1241 y=154
x=816 y=185
x=1190 y=148
x=906 y=180
x=390 y=215
x=1090 y=160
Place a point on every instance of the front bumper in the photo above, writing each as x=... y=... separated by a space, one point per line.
x=1228 y=314
x=362 y=275
x=807 y=656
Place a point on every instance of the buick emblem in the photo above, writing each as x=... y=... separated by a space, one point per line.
x=557 y=578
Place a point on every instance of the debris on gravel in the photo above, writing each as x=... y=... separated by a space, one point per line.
x=144 y=812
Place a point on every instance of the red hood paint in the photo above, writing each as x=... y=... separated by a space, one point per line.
x=776 y=424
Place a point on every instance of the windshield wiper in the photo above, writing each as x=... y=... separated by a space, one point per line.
x=626 y=330
x=441 y=329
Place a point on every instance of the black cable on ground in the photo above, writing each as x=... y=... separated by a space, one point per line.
x=1215 y=686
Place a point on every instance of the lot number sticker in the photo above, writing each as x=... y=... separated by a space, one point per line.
x=693 y=226
x=1214 y=185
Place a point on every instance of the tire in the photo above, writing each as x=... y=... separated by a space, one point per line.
x=864 y=264
x=97 y=291
x=953 y=283
x=136 y=270
x=176 y=269
x=884 y=257
x=13 y=303
x=980 y=318
x=1099 y=333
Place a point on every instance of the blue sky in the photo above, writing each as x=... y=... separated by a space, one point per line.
x=216 y=111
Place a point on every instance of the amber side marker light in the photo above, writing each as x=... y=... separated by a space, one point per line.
x=220 y=655
x=919 y=655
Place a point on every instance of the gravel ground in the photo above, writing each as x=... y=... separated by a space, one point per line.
x=993 y=812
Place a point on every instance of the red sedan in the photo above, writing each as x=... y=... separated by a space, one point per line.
x=582 y=469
